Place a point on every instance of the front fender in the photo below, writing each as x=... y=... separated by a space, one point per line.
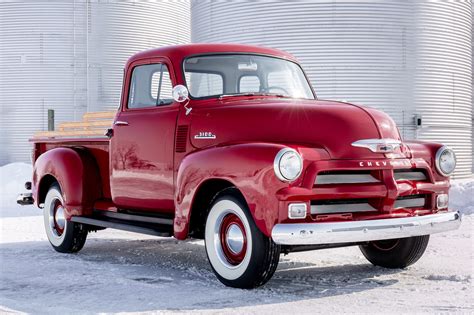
x=77 y=174
x=249 y=167
x=426 y=151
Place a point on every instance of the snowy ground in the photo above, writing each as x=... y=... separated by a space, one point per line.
x=124 y=272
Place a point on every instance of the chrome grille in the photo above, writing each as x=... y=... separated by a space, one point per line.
x=351 y=177
x=342 y=178
x=341 y=206
x=362 y=205
x=414 y=201
x=409 y=175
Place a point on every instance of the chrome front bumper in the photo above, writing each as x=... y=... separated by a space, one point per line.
x=363 y=231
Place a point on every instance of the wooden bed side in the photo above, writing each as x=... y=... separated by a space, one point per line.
x=92 y=124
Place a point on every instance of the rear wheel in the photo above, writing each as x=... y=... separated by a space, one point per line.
x=396 y=253
x=65 y=236
x=240 y=255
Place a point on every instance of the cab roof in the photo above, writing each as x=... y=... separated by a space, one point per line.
x=177 y=53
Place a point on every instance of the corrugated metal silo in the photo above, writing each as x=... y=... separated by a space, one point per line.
x=69 y=56
x=406 y=58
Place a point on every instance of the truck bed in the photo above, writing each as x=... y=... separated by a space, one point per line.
x=97 y=146
x=88 y=134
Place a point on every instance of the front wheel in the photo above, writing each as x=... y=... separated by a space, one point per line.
x=65 y=236
x=240 y=255
x=396 y=253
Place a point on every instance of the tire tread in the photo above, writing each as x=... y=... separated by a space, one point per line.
x=407 y=252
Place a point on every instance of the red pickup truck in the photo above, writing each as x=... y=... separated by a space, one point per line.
x=229 y=143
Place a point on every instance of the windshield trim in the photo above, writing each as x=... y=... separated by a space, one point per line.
x=183 y=73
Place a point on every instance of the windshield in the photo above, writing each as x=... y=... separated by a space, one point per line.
x=241 y=74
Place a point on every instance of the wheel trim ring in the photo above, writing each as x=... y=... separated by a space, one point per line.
x=229 y=221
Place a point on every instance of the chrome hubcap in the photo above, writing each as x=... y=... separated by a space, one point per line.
x=235 y=239
x=59 y=217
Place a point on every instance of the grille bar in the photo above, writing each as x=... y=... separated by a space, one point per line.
x=362 y=205
x=409 y=202
x=410 y=175
x=326 y=179
x=341 y=207
x=348 y=177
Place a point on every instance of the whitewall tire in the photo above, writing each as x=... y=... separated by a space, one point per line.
x=64 y=236
x=240 y=254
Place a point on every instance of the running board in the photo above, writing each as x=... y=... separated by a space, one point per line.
x=132 y=217
x=130 y=226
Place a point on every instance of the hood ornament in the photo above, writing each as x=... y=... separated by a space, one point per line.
x=378 y=145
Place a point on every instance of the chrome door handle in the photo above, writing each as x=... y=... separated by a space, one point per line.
x=121 y=123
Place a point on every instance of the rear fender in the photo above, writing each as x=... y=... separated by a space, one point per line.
x=77 y=174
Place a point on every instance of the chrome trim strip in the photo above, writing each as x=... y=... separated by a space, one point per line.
x=341 y=208
x=363 y=231
x=120 y=123
x=378 y=145
x=415 y=175
x=409 y=203
x=325 y=179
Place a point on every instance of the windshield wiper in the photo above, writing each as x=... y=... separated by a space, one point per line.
x=253 y=94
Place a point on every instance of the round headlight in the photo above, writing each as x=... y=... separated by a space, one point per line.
x=287 y=165
x=445 y=161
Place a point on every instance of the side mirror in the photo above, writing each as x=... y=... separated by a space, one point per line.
x=180 y=93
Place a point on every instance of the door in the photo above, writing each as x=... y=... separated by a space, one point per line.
x=142 y=145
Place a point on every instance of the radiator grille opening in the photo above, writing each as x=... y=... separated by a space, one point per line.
x=331 y=206
x=366 y=177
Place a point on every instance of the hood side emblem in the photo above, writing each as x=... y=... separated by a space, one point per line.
x=205 y=135
x=378 y=145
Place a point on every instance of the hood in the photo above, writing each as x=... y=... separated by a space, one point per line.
x=330 y=125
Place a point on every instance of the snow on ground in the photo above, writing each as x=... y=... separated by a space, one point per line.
x=132 y=273
x=462 y=195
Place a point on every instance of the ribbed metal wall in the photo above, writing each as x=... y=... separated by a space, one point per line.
x=69 y=56
x=403 y=57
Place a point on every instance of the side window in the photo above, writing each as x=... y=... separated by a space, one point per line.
x=165 y=90
x=150 y=86
x=204 y=84
x=249 y=83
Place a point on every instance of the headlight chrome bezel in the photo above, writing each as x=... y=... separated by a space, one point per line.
x=439 y=153
x=277 y=161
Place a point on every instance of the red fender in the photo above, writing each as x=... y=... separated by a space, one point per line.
x=426 y=151
x=251 y=172
x=77 y=173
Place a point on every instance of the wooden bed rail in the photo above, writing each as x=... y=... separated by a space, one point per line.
x=92 y=124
